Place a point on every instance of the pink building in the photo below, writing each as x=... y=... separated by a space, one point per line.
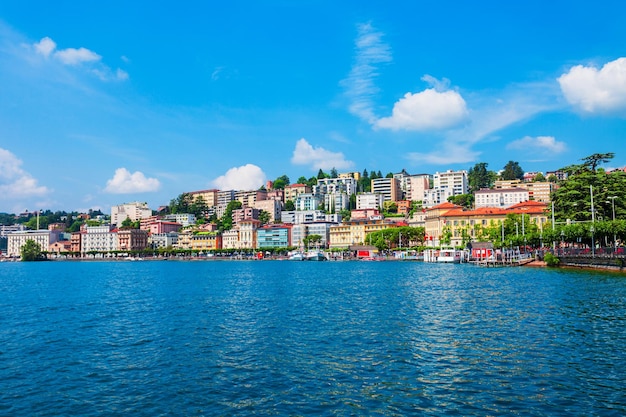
x=161 y=226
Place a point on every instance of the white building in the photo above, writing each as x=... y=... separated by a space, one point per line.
x=436 y=196
x=99 y=239
x=16 y=240
x=307 y=201
x=230 y=238
x=309 y=216
x=134 y=211
x=453 y=180
x=335 y=185
x=301 y=231
x=365 y=201
x=184 y=219
x=163 y=240
x=501 y=198
x=335 y=202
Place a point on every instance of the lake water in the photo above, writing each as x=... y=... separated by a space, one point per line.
x=209 y=338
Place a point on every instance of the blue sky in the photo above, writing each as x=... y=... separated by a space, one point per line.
x=106 y=103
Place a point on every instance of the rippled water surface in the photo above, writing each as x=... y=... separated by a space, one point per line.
x=307 y=338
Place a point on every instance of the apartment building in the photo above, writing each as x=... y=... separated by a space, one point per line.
x=271 y=206
x=354 y=232
x=501 y=198
x=417 y=186
x=453 y=180
x=307 y=201
x=133 y=211
x=274 y=236
x=99 y=239
x=335 y=185
x=436 y=196
x=249 y=198
x=309 y=216
x=292 y=191
x=15 y=240
x=389 y=188
x=369 y=201
x=132 y=239
x=537 y=191
x=209 y=196
x=184 y=219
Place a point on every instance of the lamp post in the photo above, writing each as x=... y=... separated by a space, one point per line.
x=553 y=242
x=614 y=235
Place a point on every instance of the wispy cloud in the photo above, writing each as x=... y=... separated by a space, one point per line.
x=246 y=177
x=123 y=182
x=594 y=90
x=360 y=89
x=317 y=157
x=537 y=145
x=47 y=48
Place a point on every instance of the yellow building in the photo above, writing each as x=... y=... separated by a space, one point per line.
x=206 y=241
x=354 y=232
x=467 y=224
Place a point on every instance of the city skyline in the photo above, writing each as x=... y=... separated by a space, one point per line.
x=104 y=105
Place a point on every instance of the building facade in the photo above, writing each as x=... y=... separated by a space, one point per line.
x=133 y=211
x=502 y=198
x=16 y=240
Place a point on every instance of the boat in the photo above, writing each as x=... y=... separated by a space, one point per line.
x=315 y=256
x=296 y=256
x=449 y=255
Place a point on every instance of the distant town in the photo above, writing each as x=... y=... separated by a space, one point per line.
x=359 y=213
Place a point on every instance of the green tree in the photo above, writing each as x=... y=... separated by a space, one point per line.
x=31 y=251
x=302 y=180
x=127 y=223
x=345 y=214
x=334 y=173
x=321 y=174
x=512 y=171
x=389 y=175
x=264 y=217
x=311 y=240
x=539 y=177
x=592 y=161
x=226 y=222
x=463 y=200
x=281 y=182
x=289 y=206
x=480 y=177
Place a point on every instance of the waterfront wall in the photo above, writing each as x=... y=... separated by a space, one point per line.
x=613 y=263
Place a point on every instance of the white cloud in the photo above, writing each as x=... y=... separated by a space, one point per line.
x=123 y=182
x=370 y=50
x=73 y=56
x=596 y=91
x=45 y=46
x=543 y=144
x=448 y=153
x=76 y=56
x=318 y=158
x=430 y=109
x=246 y=177
x=14 y=181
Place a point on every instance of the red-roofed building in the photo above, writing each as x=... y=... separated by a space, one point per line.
x=467 y=224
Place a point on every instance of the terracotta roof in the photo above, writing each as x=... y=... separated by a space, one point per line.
x=446 y=205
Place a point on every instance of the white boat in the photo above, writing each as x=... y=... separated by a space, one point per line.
x=315 y=256
x=449 y=255
x=296 y=256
